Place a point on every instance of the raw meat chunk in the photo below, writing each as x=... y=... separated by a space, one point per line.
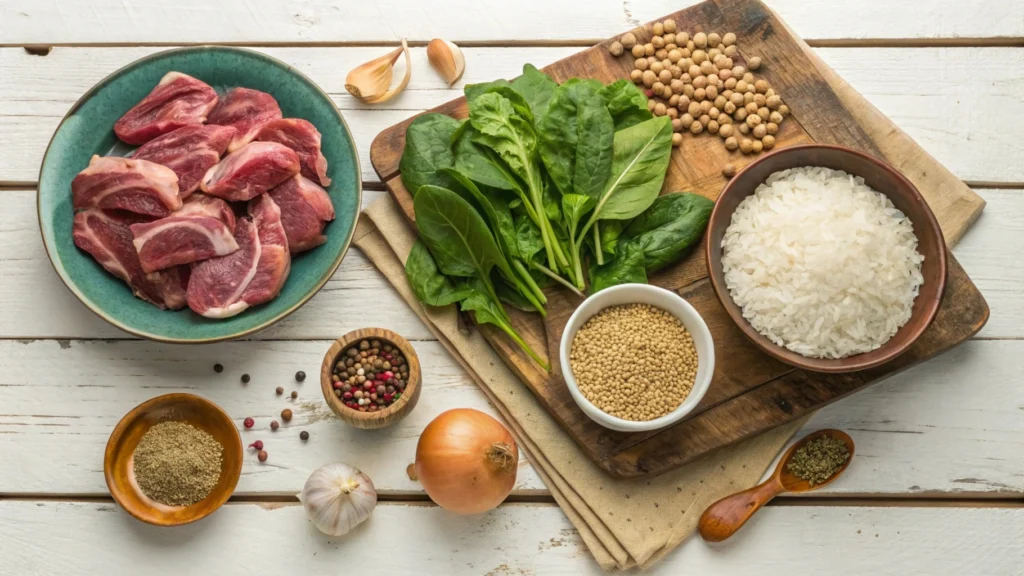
x=178 y=100
x=108 y=237
x=190 y=151
x=216 y=286
x=256 y=168
x=305 y=208
x=201 y=229
x=275 y=260
x=304 y=138
x=246 y=110
x=137 y=186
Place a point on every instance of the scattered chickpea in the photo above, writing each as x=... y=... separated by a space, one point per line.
x=730 y=142
x=760 y=100
x=677 y=139
x=669 y=25
x=711 y=92
x=665 y=76
x=700 y=39
x=757 y=146
x=784 y=110
x=704 y=120
x=694 y=109
x=730 y=83
x=760 y=131
x=748 y=97
x=682 y=38
x=649 y=78
x=728 y=170
x=749 y=77
x=673 y=100
x=677 y=125
x=725 y=130
x=649 y=49
x=729 y=108
x=628 y=40
x=772 y=128
x=768 y=142
x=714 y=113
x=699 y=57
x=662 y=54
x=686 y=120
x=637 y=76
x=637 y=51
x=740 y=115
x=672 y=112
x=744 y=128
x=658 y=28
x=714 y=39
x=761 y=86
x=616 y=49
x=763 y=113
x=696 y=127
x=730 y=51
x=773 y=102
x=700 y=94
x=659 y=109
x=707 y=68
x=713 y=127
x=746 y=146
x=754 y=63
x=751 y=108
x=641 y=64
x=650 y=105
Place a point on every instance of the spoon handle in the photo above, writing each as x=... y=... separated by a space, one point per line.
x=723 y=518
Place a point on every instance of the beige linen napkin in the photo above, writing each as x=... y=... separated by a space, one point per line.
x=625 y=523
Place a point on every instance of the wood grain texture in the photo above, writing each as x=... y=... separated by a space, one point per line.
x=921 y=89
x=825 y=110
x=515 y=540
x=256 y=21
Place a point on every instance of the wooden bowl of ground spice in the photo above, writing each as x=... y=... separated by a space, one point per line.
x=371 y=378
x=173 y=460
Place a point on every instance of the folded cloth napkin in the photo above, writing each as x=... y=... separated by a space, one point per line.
x=624 y=523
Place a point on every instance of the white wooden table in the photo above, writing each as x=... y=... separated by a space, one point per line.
x=938 y=482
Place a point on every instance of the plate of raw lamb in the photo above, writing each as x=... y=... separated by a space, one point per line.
x=199 y=194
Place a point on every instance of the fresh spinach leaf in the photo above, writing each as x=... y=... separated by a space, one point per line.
x=473 y=91
x=669 y=228
x=427 y=150
x=576 y=135
x=627 y=267
x=626 y=103
x=611 y=230
x=427 y=282
x=488 y=310
x=640 y=159
x=536 y=88
x=495 y=210
x=575 y=206
x=528 y=238
x=477 y=164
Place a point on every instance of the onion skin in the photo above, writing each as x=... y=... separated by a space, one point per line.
x=467 y=461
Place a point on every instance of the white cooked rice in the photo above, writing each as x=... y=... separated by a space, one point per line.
x=822 y=264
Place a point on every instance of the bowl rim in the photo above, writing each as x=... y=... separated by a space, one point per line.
x=830 y=365
x=693 y=322
x=331 y=269
x=393 y=338
x=134 y=414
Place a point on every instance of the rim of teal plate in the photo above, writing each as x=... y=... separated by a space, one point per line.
x=249 y=331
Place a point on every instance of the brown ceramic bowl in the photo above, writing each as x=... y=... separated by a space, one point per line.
x=389 y=415
x=879 y=176
x=189 y=408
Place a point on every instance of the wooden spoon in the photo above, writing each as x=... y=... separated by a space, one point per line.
x=723 y=518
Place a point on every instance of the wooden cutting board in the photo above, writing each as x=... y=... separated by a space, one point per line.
x=750 y=392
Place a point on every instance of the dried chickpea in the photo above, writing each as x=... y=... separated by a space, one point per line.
x=759 y=131
x=753 y=120
x=736 y=99
x=677 y=86
x=694 y=71
x=729 y=108
x=720 y=101
x=743 y=128
x=694 y=109
x=712 y=92
x=656 y=67
x=685 y=52
x=757 y=146
x=724 y=64
x=730 y=142
x=685 y=77
x=662 y=54
x=641 y=64
x=691 y=46
x=688 y=90
x=684 y=102
x=700 y=39
x=677 y=124
x=730 y=83
x=659 y=109
x=751 y=108
x=704 y=120
x=763 y=113
x=670 y=37
x=666 y=92
x=699 y=57
x=728 y=170
x=760 y=100
x=784 y=110
x=649 y=78
x=670 y=46
x=713 y=80
x=761 y=86
x=672 y=112
x=658 y=28
x=669 y=25
x=696 y=127
x=665 y=63
x=748 y=98
x=730 y=51
x=628 y=40
x=649 y=49
x=616 y=49
x=740 y=115
x=769 y=93
x=748 y=77
x=769 y=142
x=727 y=93
x=637 y=51
x=714 y=53
x=637 y=76
x=772 y=128
x=699 y=94
x=725 y=130
x=773 y=102
x=707 y=68
x=738 y=71
x=700 y=82
x=713 y=127
x=682 y=37
x=714 y=113
x=741 y=86
x=725 y=75
x=650 y=104
x=686 y=120
x=657 y=87
x=775 y=117
x=675 y=70
x=675 y=56
x=665 y=76
x=754 y=63
x=724 y=119
x=746 y=146
x=714 y=39
x=705 y=106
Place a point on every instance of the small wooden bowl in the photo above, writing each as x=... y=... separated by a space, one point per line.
x=879 y=176
x=389 y=415
x=118 y=461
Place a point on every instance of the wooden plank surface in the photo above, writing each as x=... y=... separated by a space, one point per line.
x=255 y=21
x=523 y=540
x=951 y=427
x=921 y=89
x=764 y=393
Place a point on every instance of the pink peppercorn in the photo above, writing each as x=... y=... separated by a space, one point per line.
x=387 y=375
x=248 y=423
x=347 y=395
x=257 y=445
x=338 y=385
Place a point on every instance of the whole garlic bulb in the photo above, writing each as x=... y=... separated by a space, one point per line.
x=337 y=497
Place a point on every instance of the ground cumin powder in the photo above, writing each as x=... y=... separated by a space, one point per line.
x=177 y=464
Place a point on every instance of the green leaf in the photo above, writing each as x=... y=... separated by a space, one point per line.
x=641 y=156
x=427 y=150
x=478 y=164
x=574 y=207
x=512 y=296
x=486 y=310
x=669 y=228
x=536 y=88
x=626 y=268
x=611 y=230
x=456 y=234
x=427 y=282
x=626 y=103
x=500 y=127
x=495 y=209
x=473 y=91
x=576 y=135
x=528 y=238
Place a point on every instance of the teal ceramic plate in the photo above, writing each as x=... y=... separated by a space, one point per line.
x=88 y=130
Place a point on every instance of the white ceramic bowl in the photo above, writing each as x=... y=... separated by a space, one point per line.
x=666 y=300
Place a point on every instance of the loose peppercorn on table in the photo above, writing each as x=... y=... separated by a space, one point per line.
x=937 y=482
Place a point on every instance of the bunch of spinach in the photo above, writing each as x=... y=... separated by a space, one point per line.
x=540 y=176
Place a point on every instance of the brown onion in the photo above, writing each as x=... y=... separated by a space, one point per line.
x=466 y=461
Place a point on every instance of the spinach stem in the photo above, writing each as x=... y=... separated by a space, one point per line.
x=547 y=272
x=530 y=282
x=598 y=249
x=508 y=329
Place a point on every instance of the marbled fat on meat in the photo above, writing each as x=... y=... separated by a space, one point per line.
x=305 y=209
x=178 y=100
x=115 y=183
x=251 y=171
x=216 y=286
x=108 y=238
x=275 y=260
x=301 y=136
x=202 y=229
x=247 y=111
x=189 y=151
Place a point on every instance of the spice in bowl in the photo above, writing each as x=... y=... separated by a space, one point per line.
x=370 y=375
x=177 y=464
x=818 y=460
x=634 y=361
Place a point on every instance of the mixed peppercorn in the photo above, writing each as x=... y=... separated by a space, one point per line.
x=370 y=376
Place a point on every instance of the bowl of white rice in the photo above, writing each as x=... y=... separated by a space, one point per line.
x=826 y=258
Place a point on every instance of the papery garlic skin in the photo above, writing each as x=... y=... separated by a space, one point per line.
x=337 y=498
x=370 y=82
x=447 y=59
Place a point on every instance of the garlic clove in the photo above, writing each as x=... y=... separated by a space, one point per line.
x=370 y=82
x=447 y=59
